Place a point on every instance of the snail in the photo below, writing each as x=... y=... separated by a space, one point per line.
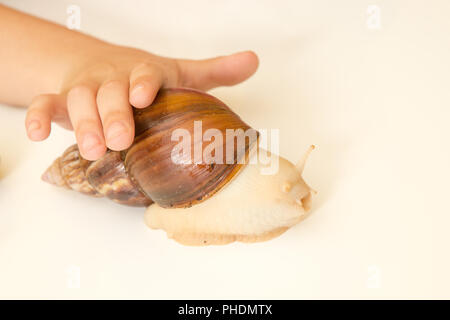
x=199 y=193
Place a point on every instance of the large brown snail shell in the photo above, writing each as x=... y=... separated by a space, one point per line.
x=146 y=173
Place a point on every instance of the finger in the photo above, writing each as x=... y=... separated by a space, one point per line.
x=42 y=110
x=145 y=82
x=116 y=114
x=220 y=71
x=86 y=122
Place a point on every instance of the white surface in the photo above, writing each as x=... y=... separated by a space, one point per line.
x=374 y=102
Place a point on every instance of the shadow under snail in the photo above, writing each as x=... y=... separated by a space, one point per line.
x=197 y=202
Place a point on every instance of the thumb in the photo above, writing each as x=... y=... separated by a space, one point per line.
x=219 y=71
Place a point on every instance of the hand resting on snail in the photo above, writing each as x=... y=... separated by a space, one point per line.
x=128 y=132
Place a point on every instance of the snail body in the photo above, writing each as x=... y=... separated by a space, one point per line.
x=197 y=202
x=253 y=207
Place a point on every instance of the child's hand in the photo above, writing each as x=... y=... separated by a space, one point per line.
x=98 y=92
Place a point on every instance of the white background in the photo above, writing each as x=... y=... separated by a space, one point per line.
x=375 y=102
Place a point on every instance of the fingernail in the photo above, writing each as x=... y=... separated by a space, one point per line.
x=90 y=142
x=137 y=96
x=115 y=130
x=34 y=125
x=137 y=88
x=33 y=129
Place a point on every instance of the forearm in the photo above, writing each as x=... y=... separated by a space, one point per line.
x=36 y=56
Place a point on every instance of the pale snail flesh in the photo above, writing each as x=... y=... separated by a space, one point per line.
x=194 y=204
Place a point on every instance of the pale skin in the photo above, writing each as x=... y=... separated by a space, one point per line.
x=91 y=86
